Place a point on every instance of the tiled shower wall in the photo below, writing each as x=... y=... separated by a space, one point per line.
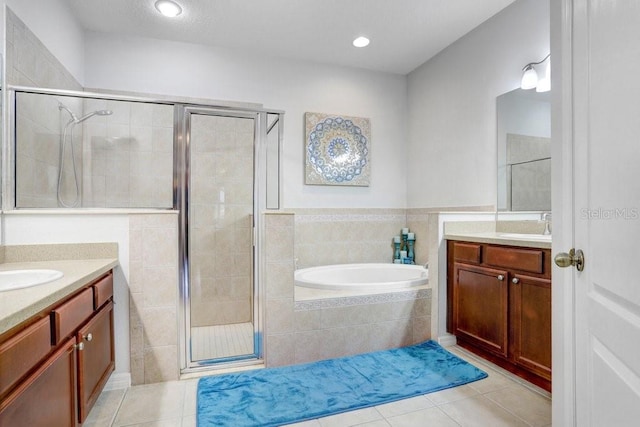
x=128 y=155
x=221 y=220
x=39 y=122
x=38 y=134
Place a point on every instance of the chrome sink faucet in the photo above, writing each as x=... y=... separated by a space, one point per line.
x=546 y=217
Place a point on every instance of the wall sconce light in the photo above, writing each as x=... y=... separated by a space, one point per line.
x=530 y=76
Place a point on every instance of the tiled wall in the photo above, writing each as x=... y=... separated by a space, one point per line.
x=221 y=220
x=530 y=186
x=38 y=133
x=300 y=332
x=39 y=122
x=279 y=269
x=128 y=155
x=366 y=324
x=342 y=236
x=123 y=160
x=418 y=223
x=29 y=62
x=153 y=285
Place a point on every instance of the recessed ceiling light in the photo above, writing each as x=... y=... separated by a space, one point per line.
x=361 y=42
x=168 y=8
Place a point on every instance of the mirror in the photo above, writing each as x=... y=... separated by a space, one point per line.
x=524 y=151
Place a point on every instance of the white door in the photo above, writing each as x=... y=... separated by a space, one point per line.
x=602 y=148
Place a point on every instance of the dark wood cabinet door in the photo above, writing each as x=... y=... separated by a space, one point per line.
x=96 y=359
x=480 y=307
x=48 y=397
x=531 y=323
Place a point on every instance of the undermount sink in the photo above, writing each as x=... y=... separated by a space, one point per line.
x=18 y=279
x=542 y=237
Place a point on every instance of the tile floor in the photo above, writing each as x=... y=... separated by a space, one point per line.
x=499 y=400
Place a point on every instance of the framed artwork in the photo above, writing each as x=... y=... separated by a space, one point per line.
x=337 y=150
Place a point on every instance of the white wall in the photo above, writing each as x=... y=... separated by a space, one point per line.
x=53 y=23
x=180 y=69
x=452 y=107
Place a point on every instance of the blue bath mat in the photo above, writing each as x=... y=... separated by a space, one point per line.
x=277 y=396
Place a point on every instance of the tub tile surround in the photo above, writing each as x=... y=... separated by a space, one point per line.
x=153 y=249
x=344 y=331
x=418 y=223
x=316 y=329
x=279 y=269
x=343 y=236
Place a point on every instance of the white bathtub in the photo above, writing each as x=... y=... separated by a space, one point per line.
x=362 y=277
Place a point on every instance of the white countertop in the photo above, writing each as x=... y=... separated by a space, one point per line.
x=19 y=305
x=503 y=238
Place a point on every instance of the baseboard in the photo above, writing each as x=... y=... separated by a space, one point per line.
x=447 y=340
x=118 y=381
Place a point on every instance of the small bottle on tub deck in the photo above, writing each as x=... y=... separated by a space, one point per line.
x=396 y=246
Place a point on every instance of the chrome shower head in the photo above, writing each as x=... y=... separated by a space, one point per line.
x=76 y=120
x=94 y=113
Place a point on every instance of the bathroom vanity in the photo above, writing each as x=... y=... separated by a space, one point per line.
x=57 y=346
x=499 y=302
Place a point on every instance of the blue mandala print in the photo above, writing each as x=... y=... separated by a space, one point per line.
x=337 y=150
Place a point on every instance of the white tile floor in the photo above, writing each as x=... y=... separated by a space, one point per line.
x=499 y=400
x=214 y=342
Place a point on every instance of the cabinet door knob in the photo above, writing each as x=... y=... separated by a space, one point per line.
x=79 y=346
x=88 y=337
x=515 y=280
x=500 y=277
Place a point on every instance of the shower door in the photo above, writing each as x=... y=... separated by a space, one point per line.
x=222 y=315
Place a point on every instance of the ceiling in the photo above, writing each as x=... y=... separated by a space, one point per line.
x=404 y=33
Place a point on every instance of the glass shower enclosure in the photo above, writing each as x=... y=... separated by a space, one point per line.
x=230 y=176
